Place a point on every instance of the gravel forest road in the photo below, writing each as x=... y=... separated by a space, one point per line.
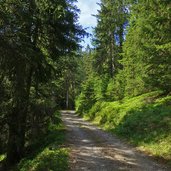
x=92 y=149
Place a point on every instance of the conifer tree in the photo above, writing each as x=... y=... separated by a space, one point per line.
x=146 y=57
x=33 y=36
x=109 y=35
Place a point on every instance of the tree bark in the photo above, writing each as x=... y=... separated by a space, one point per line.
x=112 y=58
x=18 y=115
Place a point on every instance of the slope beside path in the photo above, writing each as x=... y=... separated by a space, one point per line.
x=92 y=149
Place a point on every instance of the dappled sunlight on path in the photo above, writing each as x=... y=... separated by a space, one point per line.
x=95 y=150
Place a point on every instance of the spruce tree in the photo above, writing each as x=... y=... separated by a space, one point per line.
x=146 y=57
x=33 y=36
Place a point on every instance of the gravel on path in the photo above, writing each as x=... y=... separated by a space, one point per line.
x=93 y=149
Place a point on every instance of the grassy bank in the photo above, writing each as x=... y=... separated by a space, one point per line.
x=48 y=153
x=143 y=120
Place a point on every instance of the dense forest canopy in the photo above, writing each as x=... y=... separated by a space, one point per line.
x=43 y=69
x=37 y=40
x=132 y=52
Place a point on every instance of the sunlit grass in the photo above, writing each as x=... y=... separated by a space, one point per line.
x=143 y=120
x=48 y=159
x=2 y=157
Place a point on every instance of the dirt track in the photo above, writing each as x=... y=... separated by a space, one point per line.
x=95 y=150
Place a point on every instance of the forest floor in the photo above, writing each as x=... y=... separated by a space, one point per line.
x=93 y=149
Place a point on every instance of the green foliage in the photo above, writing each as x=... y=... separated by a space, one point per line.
x=154 y=133
x=54 y=160
x=109 y=36
x=134 y=63
x=66 y=87
x=116 y=87
x=144 y=120
x=93 y=87
x=47 y=153
x=128 y=77
x=146 y=52
x=34 y=37
x=137 y=65
x=87 y=97
x=2 y=157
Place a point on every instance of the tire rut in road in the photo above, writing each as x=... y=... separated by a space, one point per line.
x=95 y=150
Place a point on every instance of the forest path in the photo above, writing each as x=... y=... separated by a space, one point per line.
x=92 y=149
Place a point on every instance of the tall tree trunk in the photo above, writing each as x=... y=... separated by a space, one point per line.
x=67 y=92
x=16 y=138
x=112 y=58
x=67 y=99
x=17 y=118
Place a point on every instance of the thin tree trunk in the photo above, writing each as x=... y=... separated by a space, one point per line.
x=67 y=94
x=112 y=58
x=67 y=99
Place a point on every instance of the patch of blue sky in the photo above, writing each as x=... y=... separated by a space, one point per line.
x=87 y=20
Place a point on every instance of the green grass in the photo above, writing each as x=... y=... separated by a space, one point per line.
x=48 y=154
x=48 y=159
x=143 y=120
x=2 y=157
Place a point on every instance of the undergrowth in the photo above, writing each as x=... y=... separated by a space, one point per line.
x=48 y=154
x=143 y=120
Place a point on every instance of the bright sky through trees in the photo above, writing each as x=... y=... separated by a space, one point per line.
x=88 y=7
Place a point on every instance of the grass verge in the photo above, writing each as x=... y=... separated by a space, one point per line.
x=49 y=154
x=145 y=121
